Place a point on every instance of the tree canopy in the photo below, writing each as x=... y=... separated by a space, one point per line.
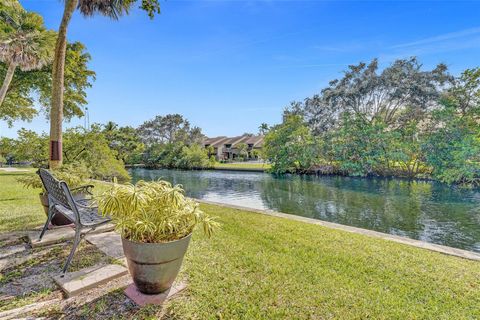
x=27 y=84
x=400 y=121
x=170 y=128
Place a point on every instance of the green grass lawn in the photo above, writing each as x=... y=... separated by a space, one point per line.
x=263 y=267
x=245 y=166
x=20 y=208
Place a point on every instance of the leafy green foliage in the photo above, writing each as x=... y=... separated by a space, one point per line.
x=193 y=157
x=290 y=147
x=82 y=148
x=91 y=148
x=242 y=150
x=178 y=155
x=30 y=147
x=152 y=212
x=369 y=94
x=171 y=142
x=402 y=121
x=359 y=146
x=25 y=45
x=453 y=145
x=125 y=141
x=74 y=174
x=24 y=41
x=25 y=86
x=78 y=78
x=171 y=128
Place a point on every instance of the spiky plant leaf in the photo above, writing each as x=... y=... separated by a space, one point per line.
x=153 y=212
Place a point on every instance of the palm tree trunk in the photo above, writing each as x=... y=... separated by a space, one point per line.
x=56 y=110
x=7 y=81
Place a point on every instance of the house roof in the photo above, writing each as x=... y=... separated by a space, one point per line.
x=214 y=142
x=257 y=141
x=236 y=140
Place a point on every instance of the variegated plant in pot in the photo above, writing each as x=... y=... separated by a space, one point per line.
x=155 y=221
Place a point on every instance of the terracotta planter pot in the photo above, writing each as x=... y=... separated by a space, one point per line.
x=154 y=266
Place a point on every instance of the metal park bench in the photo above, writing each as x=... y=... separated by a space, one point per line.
x=60 y=199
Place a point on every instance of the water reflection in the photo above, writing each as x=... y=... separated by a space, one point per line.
x=421 y=210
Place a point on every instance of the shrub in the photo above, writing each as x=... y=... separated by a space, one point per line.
x=75 y=175
x=91 y=148
x=193 y=157
x=290 y=147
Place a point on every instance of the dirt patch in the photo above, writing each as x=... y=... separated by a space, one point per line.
x=26 y=276
x=27 y=279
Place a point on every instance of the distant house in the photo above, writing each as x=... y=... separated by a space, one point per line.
x=225 y=148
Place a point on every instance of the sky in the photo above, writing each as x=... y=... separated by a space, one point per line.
x=228 y=66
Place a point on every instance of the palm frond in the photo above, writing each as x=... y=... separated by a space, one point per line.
x=110 y=8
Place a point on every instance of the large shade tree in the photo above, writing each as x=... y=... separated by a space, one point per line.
x=31 y=89
x=110 y=8
x=24 y=42
x=395 y=95
x=171 y=128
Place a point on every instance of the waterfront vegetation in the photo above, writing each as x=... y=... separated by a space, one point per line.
x=432 y=133
x=373 y=123
x=402 y=120
x=250 y=269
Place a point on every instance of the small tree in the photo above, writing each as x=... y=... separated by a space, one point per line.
x=171 y=128
x=453 y=145
x=125 y=141
x=242 y=150
x=263 y=128
x=290 y=147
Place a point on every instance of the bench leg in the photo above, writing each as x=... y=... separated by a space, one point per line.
x=76 y=241
x=51 y=213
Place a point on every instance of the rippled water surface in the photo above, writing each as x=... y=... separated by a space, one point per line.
x=427 y=211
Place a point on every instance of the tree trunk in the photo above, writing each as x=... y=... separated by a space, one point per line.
x=7 y=81
x=56 y=110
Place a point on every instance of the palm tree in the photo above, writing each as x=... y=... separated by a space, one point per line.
x=26 y=45
x=263 y=128
x=110 y=8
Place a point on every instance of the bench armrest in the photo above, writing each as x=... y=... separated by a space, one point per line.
x=84 y=189
x=79 y=205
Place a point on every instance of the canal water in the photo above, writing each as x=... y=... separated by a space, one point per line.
x=427 y=211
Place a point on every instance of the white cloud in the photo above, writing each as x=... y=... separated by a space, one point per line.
x=446 y=37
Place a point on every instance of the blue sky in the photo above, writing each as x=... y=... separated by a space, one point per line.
x=230 y=65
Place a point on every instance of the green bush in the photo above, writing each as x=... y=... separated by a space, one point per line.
x=74 y=174
x=178 y=155
x=91 y=148
x=193 y=157
x=290 y=147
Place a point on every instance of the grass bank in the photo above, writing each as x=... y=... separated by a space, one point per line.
x=243 y=166
x=262 y=267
